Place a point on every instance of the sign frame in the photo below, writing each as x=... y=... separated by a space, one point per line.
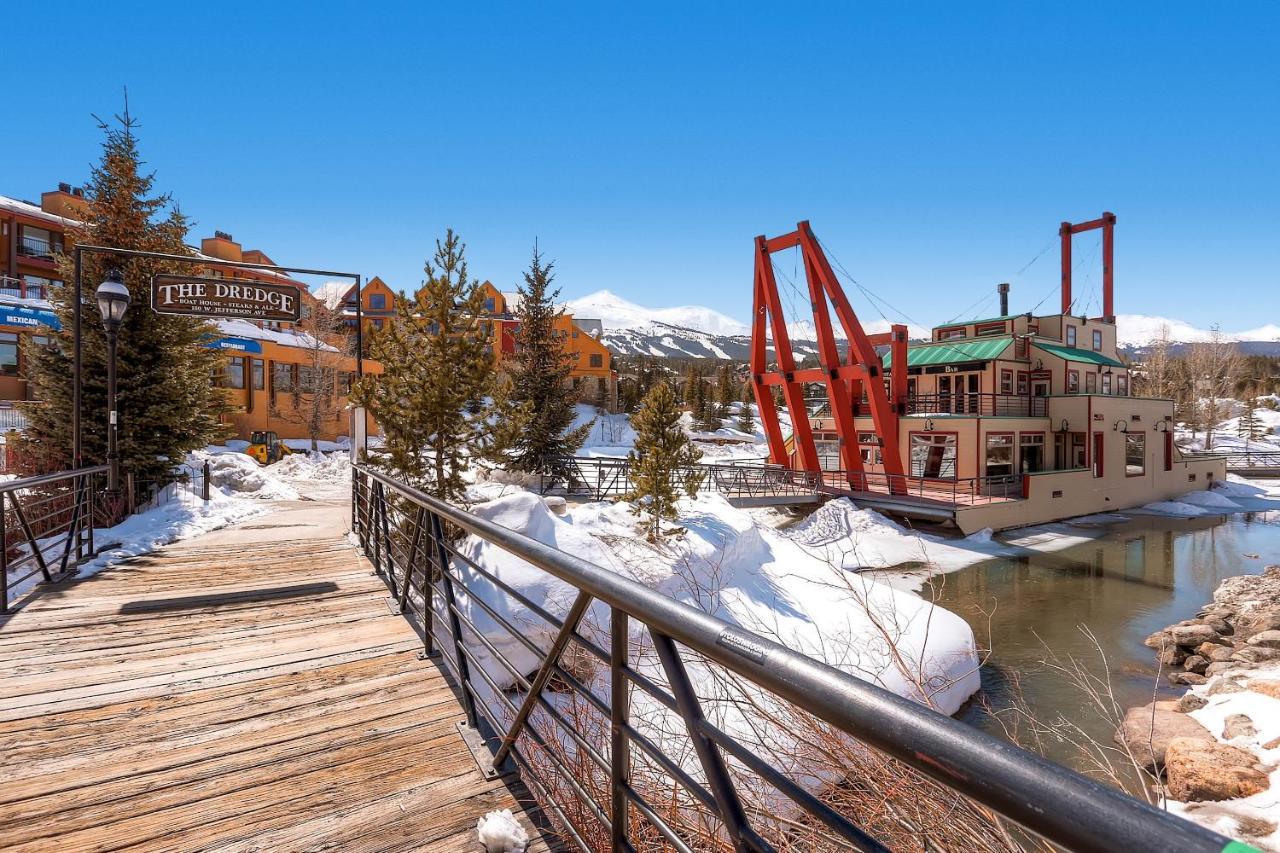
x=243 y=299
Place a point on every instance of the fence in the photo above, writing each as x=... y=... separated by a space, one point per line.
x=184 y=484
x=563 y=714
x=46 y=526
x=601 y=479
x=957 y=491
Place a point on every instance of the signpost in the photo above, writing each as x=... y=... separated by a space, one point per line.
x=224 y=298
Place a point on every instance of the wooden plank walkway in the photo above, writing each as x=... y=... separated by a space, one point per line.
x=245 y=690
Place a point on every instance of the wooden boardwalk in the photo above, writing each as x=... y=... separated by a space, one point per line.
x=245 y=690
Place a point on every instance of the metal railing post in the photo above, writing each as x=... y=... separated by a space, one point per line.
x=4 y=556
x=619 y=719
x=204 y=489
x=455 y=624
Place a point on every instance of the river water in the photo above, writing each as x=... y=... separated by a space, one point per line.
x=1136 y=578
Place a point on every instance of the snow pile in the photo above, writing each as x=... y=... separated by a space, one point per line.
x=241 y=474
x=1180 y=509
x=500 y=832
x=314 y=467
x=727 y=564
x=1211 y=500
x=840 y=533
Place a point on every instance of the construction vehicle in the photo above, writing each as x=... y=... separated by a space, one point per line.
x=266 y=447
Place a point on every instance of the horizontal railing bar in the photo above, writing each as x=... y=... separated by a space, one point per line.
x=45 y=479
x=529 y=776
x=998 y=774
x=675 y=771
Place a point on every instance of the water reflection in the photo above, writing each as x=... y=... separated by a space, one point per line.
x=1136 y=578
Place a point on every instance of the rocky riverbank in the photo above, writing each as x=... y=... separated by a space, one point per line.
x=1217 y=748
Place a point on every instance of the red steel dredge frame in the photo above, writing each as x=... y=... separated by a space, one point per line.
x=863 y=369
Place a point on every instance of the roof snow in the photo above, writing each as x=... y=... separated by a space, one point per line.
x=333 y=293
x=245 y=329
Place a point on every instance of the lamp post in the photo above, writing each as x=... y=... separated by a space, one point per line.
x=113 y=302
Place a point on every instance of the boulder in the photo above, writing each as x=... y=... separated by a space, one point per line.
x=1256 y=621
x=1266 y=688
x=1196 y=664
x=1256 y=654
x=1158 y=640
x=1191 y=702
x=1214 y=652
x=1190 y=679
x=1172 y=655
x=1272 y=744
x=1224 y=666
x=1238 y=725
x=1269 y=638
x=1226 y=685
x=1222 y=626
x=1192 y=635
x=1147 y=731
x=1200 y=770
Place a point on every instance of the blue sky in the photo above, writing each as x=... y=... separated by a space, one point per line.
x=934 y=147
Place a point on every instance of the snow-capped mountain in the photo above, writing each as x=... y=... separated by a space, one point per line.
x=618 y=313
x=1139 y=330
x=690 y=331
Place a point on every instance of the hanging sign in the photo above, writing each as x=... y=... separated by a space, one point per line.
x=194 y=296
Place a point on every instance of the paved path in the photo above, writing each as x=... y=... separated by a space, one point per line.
x=248 y=689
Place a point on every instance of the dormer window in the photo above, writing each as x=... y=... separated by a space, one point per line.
x=1069 y=335
x=990 y=329
x=490 y=305
x=1097 y=340
x=950 y=334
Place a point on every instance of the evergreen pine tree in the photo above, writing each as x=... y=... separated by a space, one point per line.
x=746 y=416
x=661 y=451
x=540 y=379
x=166 y=400
x=438 y=368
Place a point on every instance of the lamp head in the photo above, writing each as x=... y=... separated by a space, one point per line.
x=113 y=300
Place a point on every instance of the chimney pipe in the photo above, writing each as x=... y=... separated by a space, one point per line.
x=1003 y=290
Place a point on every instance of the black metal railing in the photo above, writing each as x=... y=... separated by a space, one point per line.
x=600 y=479
x=969 y=403
x=1239 y=461
x=553 y=695
x=22 y=289
x=33 y=248
x=957 y=491
x=46 y=527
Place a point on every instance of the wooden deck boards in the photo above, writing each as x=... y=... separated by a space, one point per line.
x=249 y=696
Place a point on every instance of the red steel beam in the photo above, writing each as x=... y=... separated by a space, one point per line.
x=1107 y=222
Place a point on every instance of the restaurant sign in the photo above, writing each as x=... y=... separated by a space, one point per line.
x=194 y=296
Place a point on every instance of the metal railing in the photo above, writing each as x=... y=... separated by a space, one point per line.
x=12 y=418
x=46 y=527
x=562 y=714
x=958 y=491
x=601 y=479
x=33 y=248
x=969 y=403
x=1239 y=460
x=21 y=288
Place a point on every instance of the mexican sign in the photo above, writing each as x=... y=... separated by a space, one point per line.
x=213 y=297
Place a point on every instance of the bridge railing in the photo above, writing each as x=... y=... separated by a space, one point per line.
x=574 y=695
x=956 y=491
x=601 y=479
x=46 y=527
x=1239 y=459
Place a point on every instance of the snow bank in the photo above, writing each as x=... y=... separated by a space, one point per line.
x=314 y=467
x=728 y=565
x=1180 y=509
x=239 y=473
x=1210 y=500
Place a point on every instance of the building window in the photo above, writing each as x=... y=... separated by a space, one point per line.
x=871 y=456
x=1073 y=382
x=1006 y=382
x=234 y=374
x=8 y=354
x=933 y=455
x=1122 y=385
x=999 y=454
x=281 y=377
x=1091 y=383
x=1097 y=340
x=948 y=334
x=1135 y=454
x=596 y=360
x=378 y=301
x=1022 y=383
x=987 y=329
x=1106 y=383
x=868 y=438
x=1031 y=451
x=491 y=305
x=1070 y=338
x=828 y=455
x=1021 y=347
x=257 y=374
x=377 y=322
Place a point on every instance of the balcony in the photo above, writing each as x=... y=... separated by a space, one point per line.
x=969 y=403
x=34 y=247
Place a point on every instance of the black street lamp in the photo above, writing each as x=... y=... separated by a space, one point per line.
x=113 y=302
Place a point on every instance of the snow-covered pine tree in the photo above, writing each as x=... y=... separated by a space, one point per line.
x=663 y=456
x=166 y=399
x=709 y=413
x=438 y=367
x=540 y=379
x=1248 y=426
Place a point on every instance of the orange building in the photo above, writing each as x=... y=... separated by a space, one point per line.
x=592 y=370
x=265 y=360
x=377 y=302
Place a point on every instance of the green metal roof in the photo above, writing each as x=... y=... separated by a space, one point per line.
x=950 y=352
x=985 y=320
x=1081 y=355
